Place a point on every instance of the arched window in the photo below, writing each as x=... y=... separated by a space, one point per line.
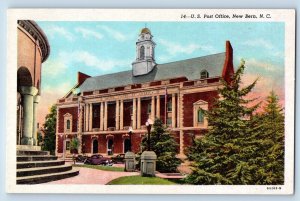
x=204 y=74
x=68 y=124
x=200 y=116
x=142 y=52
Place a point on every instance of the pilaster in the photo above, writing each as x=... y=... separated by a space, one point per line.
x=158 y=107
x=152 y=108
x=134 y=113
x=138 y=112
x=173 y=110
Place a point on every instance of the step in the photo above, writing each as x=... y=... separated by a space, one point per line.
x=35 y=158
x=42 y=170
x=33 y=164
x=31 y=152
x=37 y=179
x=29 y=148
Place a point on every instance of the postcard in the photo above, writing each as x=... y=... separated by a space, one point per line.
x=150 y=101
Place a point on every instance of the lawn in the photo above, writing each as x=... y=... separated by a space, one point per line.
x=102 y=167
x=140 y=181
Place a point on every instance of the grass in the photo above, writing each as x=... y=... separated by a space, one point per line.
x=102 y=167
x=138 y=180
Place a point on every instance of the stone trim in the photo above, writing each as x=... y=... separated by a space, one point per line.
x=67 y=117
x=197 y=106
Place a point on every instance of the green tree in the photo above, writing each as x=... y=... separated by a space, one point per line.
x=40 y=139
x=221 y=156
x=270 y=137
x=165 y=147
x=50 y=130
x=74 y=144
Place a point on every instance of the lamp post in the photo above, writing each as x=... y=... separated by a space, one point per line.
x=130 y=130
x=148 y=158
x=129 y=155
x=148 y=125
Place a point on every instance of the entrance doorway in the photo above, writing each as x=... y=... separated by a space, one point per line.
x=110 y=147
x=67 y=146
x=95 y=146
x=126 y=145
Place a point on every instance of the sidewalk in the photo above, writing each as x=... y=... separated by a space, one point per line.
x=92 y=176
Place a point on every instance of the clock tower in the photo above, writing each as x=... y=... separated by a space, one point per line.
x=144 y=62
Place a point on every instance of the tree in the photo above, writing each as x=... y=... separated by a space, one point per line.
x=50 y=130
x=74 y=144
x=221 y=156
x=165 y=147
x=271 y=141
x=40 y=139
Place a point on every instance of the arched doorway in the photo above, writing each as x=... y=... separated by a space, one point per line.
x=126 y=145
x=95 y=146
x=110 y=146
x=24 y=77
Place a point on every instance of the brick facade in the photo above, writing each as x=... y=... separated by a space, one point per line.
x=112 y=111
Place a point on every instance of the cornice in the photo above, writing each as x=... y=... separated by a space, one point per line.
x=37 y=33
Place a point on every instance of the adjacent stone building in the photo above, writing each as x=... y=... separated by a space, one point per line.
x=100 y=110
x=33 y=50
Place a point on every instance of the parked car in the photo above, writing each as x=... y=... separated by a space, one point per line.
x=98 y=159
x=120 y=158
x=81 y=158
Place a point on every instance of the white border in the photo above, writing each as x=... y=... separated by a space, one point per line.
x=279 y=15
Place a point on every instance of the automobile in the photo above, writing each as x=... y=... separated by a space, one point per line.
x=98 y=159
x=120 y=158
x=81 y=158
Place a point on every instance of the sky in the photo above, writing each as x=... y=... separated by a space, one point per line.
x=97 y=48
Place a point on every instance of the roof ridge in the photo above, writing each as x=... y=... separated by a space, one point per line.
x=193 y=58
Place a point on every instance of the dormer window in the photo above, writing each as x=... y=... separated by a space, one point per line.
x=204 y=74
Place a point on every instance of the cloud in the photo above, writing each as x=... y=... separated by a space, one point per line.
x=262 y=66
x=176 y=48
x=114 y=33
x=87 y=33
x=264 y=44
x=261 y=43
x=53 y=67
x=91 y=60
x=54 y=30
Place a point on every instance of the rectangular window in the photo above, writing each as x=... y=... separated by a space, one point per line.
x=68 y=124
x=169 y=121
x=149 y=108
x=67 y=145
x=169 y=106
x=200 y=116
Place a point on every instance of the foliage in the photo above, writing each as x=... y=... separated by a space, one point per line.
x=271 y=139
x=165 y=147
x=40 y=139
x=101 y=167
x=139 y=180
x=240 y=147
x=74 y=144
x=50 y=130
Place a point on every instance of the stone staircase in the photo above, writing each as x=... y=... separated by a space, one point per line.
x=35 y=166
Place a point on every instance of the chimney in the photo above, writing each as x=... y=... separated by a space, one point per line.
x=228 y=69
x=81 y=77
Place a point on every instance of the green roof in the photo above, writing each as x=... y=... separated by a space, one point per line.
x=189 y=68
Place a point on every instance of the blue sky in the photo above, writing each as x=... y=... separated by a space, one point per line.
x=97 y=48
